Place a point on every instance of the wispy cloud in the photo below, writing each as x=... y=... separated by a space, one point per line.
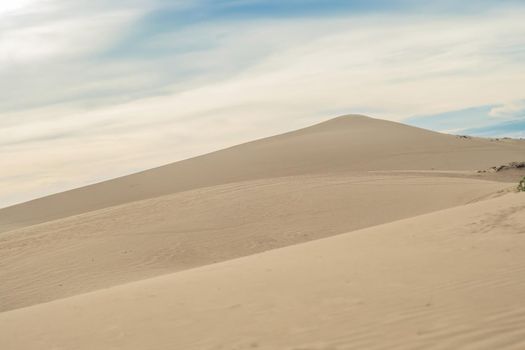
x=509 y=128
x=96 y=89
x=489 y=121
x=514 y=109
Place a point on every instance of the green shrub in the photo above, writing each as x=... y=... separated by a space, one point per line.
x=521 y=185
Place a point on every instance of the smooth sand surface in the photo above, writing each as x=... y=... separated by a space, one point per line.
x=355 y=233
x=156 y=236
x=348 y=143
x=453 y=279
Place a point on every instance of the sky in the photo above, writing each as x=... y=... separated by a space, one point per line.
x=95 y=89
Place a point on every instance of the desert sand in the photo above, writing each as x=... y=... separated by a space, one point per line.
x=355 y=233
x=343 y=144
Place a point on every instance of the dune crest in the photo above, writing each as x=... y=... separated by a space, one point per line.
x=344 y=144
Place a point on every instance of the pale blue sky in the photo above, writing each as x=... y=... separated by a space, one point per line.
x=486 y=121
x=94 y=89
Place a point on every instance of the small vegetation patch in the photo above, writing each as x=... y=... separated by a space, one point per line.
x=512 y=165
x=521 y=185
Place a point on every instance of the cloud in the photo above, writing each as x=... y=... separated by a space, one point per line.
x=64 y=39
x=116 y=91
x=10 y=7
x=489 y=121
x=515 y=109
x=509 y=128
x=454 y=121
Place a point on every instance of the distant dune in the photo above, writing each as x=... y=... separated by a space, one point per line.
x=355 y=233
x=348 y=143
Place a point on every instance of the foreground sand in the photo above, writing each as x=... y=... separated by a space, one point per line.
x=148 y=238
x=453 y=279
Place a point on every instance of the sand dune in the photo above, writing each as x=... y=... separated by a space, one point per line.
x=453 y=279
x=355 y=233
x=348 y=143
x=166 y=234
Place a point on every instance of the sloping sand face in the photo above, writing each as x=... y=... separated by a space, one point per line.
x=166 y=234
x=453 y=279
x=344 y=144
